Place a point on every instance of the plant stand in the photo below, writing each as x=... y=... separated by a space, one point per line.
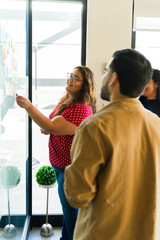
x=47 y=229
x=9 y=229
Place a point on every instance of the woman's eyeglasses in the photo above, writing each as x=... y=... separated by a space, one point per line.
x=75 y=78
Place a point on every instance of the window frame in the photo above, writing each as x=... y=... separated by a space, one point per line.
x=38 y=220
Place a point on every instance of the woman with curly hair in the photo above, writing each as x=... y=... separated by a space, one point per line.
x=78 y=103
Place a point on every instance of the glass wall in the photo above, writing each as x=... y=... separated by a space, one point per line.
x=146 y=26
x=56 y=49
x=148 y=43
x=13 y=120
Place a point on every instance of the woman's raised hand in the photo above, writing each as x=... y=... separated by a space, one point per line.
x=22 y=102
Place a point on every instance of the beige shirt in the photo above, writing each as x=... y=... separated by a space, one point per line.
x=114 y=177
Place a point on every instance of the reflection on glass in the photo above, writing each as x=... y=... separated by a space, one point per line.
x=10 y=177
x=56 y=51
x=13 y=139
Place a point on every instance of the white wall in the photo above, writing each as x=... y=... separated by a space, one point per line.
x=147 y=8
x=109 y=29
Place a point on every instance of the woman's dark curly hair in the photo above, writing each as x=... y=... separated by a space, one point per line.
x=87 y=93
x=156 y=79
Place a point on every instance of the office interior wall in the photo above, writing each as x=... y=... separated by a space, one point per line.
x=109 y=29
x=151 y=8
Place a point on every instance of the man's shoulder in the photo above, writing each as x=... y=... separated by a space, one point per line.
x=103 y=115
x=151 y=116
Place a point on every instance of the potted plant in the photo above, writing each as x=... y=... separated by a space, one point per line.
x=46 y=178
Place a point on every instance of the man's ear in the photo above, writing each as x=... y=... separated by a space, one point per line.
x=114 y=79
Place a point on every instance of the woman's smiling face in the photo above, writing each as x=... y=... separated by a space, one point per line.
x=74 y=82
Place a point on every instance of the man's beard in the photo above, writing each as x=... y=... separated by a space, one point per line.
x=105 y=94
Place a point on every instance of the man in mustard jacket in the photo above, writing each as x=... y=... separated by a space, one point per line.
x=114 y=177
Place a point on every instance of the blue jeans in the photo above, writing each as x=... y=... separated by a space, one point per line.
x=69 y=213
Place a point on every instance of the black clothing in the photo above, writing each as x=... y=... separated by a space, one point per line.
x=153 y=104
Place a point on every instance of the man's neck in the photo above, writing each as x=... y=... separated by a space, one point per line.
x=115 y=96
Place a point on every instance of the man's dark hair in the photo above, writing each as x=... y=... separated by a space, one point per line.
x=134 y=71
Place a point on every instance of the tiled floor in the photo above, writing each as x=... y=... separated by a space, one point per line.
x=35 y=234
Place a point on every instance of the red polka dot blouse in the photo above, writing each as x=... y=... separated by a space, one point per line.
x=60 y=145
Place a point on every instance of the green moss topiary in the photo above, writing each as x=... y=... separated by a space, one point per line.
x=46 y=175
x=9 y=176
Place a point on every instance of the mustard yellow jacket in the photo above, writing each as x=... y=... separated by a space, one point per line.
x=114 y=177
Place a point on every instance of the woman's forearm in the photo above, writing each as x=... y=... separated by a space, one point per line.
x=58 y=125
x=41 y=120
